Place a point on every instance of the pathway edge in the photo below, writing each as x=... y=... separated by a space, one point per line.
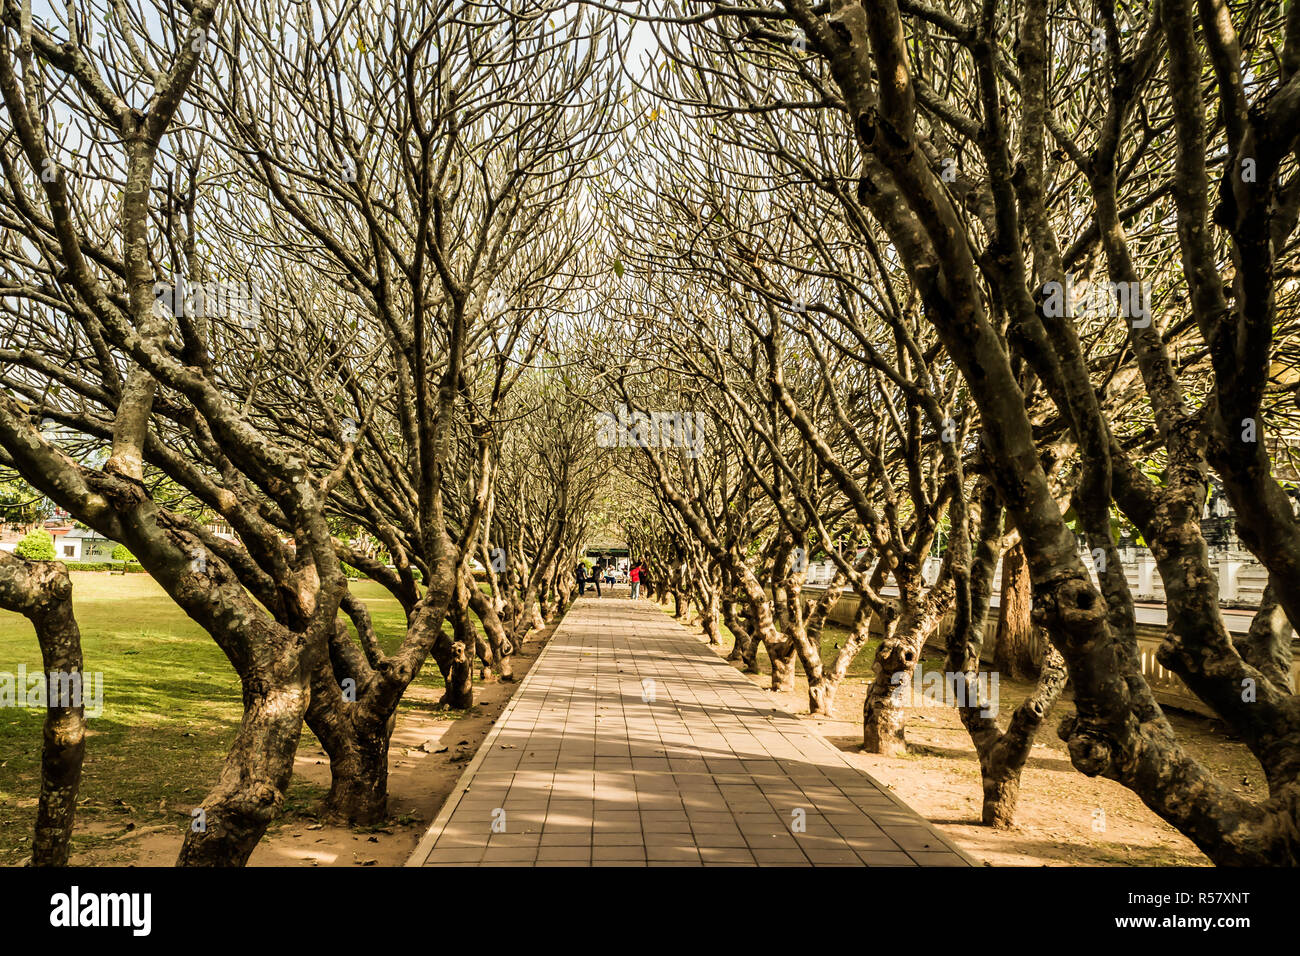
x=430 y=837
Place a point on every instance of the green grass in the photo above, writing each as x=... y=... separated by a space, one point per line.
x=171 y=708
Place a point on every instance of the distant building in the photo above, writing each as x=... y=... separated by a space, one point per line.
x=608 y=548
x=83 y=545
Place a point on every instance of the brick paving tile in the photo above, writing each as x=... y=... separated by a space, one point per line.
x=630 y=743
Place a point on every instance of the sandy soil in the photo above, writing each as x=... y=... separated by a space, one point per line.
x=1059 y=807
x=427 y=757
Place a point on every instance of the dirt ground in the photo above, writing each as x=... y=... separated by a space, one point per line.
x=426 y=759
x=1064 y=818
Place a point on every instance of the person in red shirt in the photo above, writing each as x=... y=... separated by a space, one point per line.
x=635 y=577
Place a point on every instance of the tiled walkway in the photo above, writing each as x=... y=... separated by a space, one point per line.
x=631 y=743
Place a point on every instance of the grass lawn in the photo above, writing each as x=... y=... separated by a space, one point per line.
x=171 y=707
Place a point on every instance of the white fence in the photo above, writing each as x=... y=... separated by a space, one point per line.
x=821 y=572
x=1169 y=690
x=1241 y=578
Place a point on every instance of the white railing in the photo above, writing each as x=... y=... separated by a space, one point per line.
x=821 y=572
x=1241 y=578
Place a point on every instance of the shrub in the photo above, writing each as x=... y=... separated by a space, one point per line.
x=120 y=553
x=38 y=545
x=104 y=566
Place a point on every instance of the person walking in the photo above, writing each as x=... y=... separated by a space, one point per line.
x=635 y=577
x=597 y=572
x=580 y=572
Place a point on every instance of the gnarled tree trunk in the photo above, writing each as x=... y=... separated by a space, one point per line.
x=1002 y=762
x=250 y=791
x=883 y=715
x=42 y=592
x=493 y=630
x=1015 y=649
